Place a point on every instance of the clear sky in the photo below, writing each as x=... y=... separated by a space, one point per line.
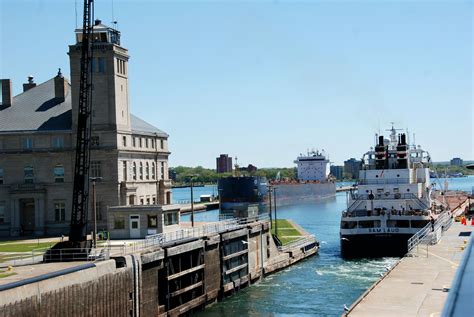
x=266 y=80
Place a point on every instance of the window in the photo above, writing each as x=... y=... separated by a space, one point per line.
x=1 y=176
x=140 y=142
x=147 y=170
x=95 y=169
x=101 y=65
x=171 y=218
x=142 y=201
x=148 y=200
x=95 y=141
x=124 y=140
x=60 y=211
x=152 y=143
x=134 y=171
x=141 y=171
x=2 y=212
x=59 y=174
x=58 y=142
x=146 y=143
x=152 y=221
x=134 y=141
x=124 y=170
x=29 y=175
x=119 y=222
x=153 y=170
x=154 y=200
x=162 y=144
x=27 y=143
x=162 y=170
x=131 y=200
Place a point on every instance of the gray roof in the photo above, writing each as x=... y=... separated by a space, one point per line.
x=139 y=125
x=37 y=109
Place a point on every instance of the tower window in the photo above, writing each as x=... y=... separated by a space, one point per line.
x=146 y=143
x=124 y=140
x=140 y=142
x=134 y=141
x=162 y=144
x=153 y=170
x=95 y=169
x=125 y=172
x=141 y=171
x=134 y=172
x=147 y=170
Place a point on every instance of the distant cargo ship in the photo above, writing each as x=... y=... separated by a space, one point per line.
x=243 y=196
x=313 y=182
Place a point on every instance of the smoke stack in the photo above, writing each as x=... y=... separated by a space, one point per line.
x=381 y=140
x=30 y=84
x=60 y=87
x=6 y=93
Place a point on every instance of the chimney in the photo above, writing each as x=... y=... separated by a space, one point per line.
x=6 y=93
x=60 y=87
x=30 y=84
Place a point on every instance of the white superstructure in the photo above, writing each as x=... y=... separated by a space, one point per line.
x=312 y=167
x=393 y=198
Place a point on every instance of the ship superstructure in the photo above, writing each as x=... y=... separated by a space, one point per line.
x=392 y=200
x=313 y=181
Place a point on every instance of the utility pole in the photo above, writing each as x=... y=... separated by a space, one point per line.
x=270 y=203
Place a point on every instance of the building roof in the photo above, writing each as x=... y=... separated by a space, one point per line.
x=37 y=109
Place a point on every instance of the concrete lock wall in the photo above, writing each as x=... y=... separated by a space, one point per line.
x=171 y=280
x=101 y=290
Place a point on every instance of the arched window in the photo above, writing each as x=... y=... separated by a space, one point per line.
x=147 y=170
x=153 y=170
x=134 y=171
x=141 y=170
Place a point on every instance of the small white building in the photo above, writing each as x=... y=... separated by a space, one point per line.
x=139 y=221
x=312 y=167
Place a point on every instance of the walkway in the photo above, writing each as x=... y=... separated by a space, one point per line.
x=417 y=286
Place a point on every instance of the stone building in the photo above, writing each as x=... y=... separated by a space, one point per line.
x=224 y=163
x=37 y=141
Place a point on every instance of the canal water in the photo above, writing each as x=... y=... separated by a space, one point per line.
x=318 y=286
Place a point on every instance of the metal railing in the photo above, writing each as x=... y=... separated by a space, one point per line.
x=297 y=243
x=39 y=255
x=157 y=240
x=431 y=233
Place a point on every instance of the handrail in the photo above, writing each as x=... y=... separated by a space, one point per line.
x=443 y=222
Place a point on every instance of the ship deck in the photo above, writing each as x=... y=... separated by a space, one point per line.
x=417 y=286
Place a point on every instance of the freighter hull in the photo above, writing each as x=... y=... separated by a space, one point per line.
x=374 y=245
x=300 y=193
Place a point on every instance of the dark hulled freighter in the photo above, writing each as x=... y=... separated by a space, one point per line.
x=392 y=201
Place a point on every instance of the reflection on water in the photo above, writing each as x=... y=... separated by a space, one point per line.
x=320 y=285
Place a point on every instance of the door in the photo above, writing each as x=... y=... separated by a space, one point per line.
x=134 y=226
x=27 y=216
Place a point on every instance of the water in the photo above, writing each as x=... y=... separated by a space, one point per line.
x=184 y=194
x=320 y=285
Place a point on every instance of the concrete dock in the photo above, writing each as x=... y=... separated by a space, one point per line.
x=417 y=285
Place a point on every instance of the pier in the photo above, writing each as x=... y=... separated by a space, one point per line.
x=418 y=285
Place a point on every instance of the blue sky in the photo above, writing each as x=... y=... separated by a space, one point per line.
x=266 y=80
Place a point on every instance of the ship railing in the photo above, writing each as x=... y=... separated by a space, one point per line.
x=431 y=233
x=382 y=196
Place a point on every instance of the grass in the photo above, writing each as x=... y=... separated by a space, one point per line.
x=24 y=247
x=2 y=275
x=286 y=232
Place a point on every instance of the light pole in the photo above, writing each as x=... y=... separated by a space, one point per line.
x=94 y=204
x=192 y=199
x=275 y=208
x=270 y=188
